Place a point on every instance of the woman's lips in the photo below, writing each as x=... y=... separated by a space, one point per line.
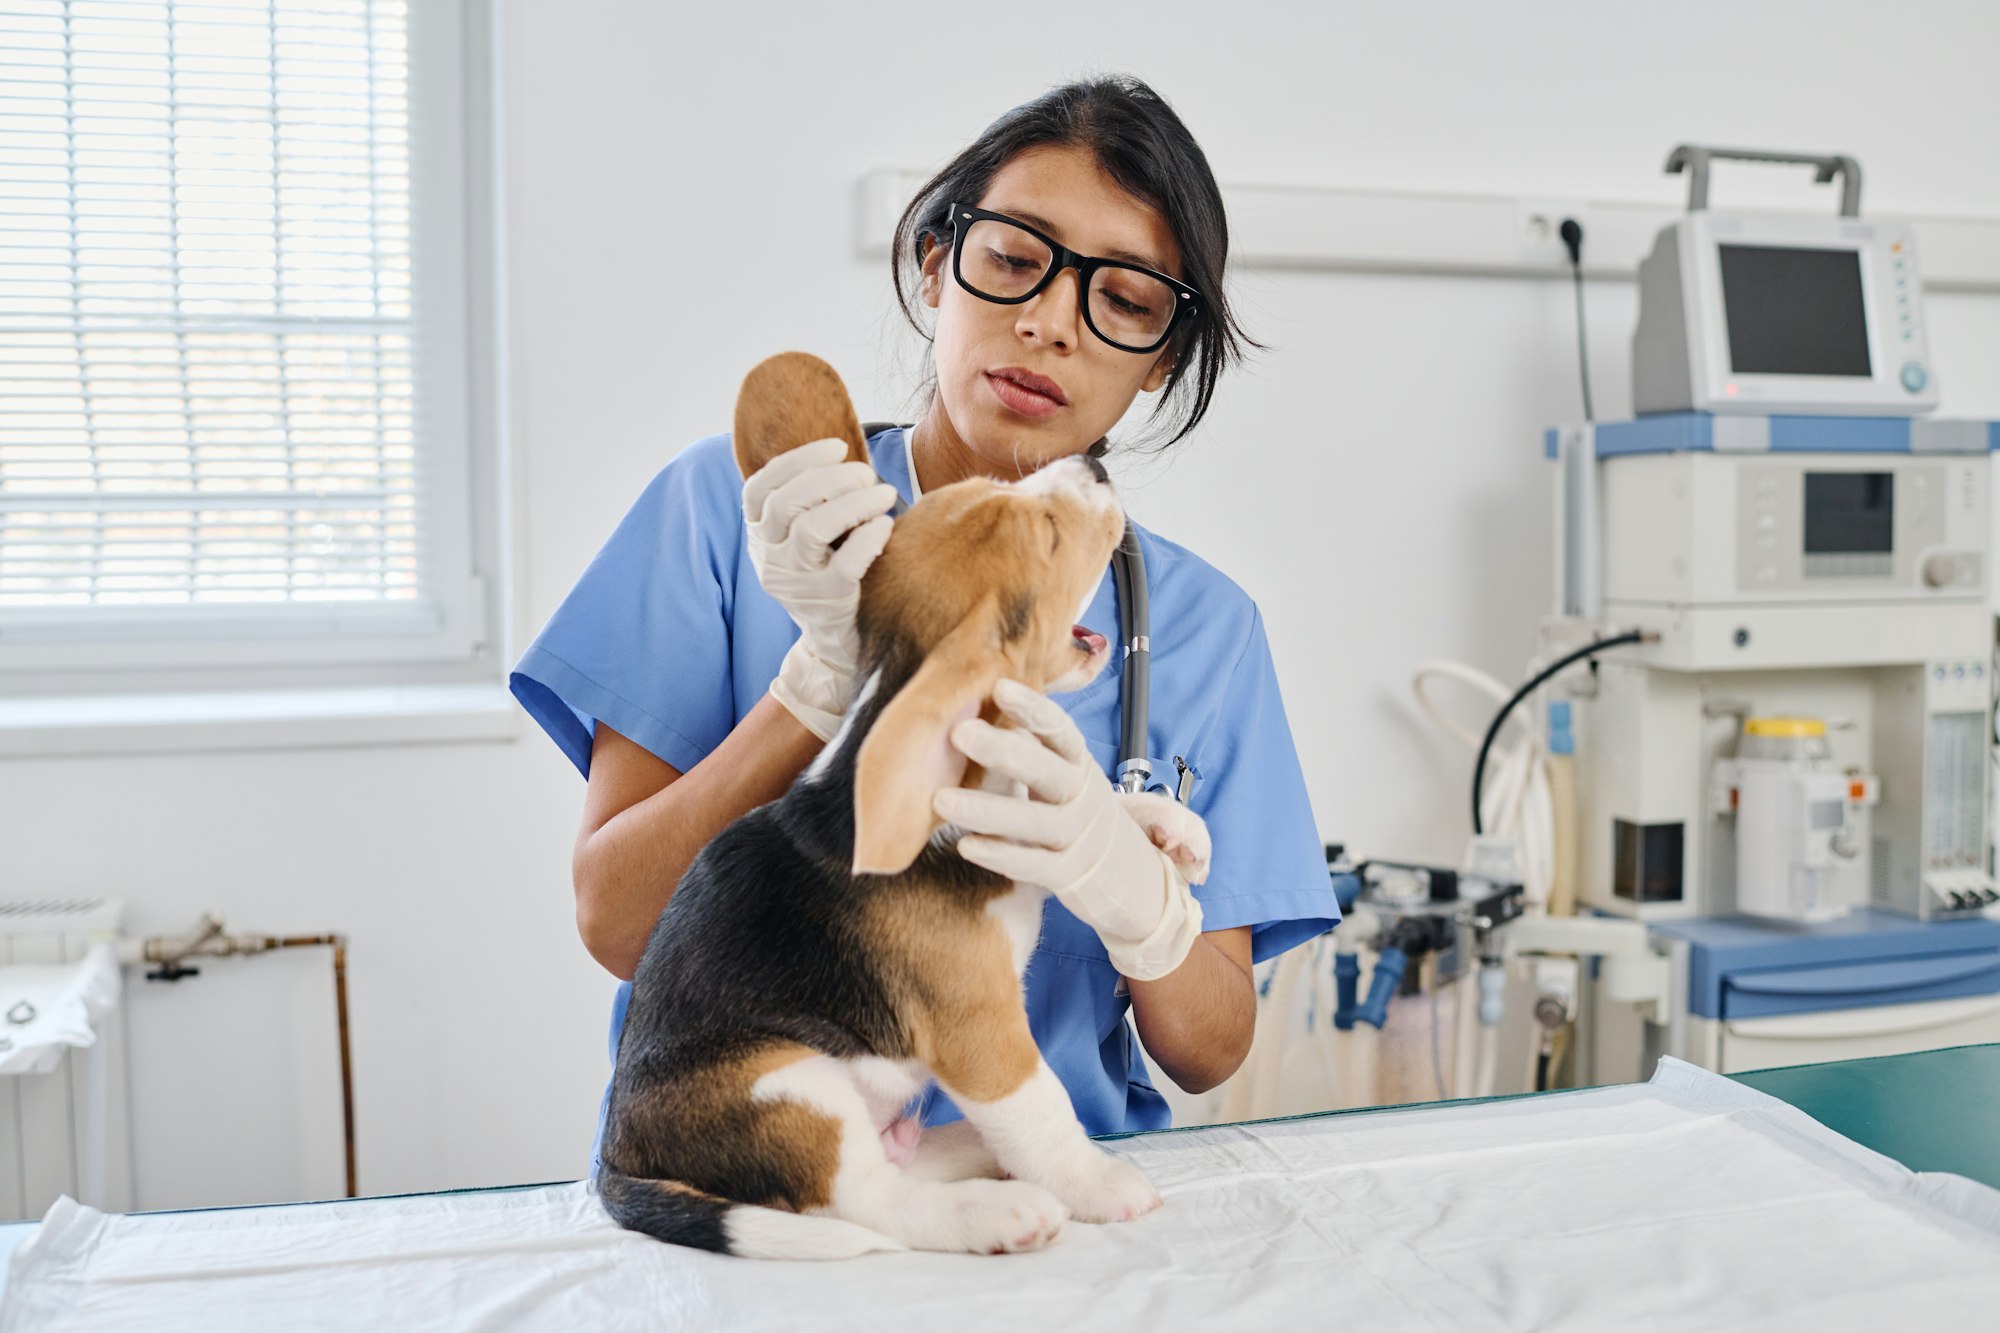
x=1020 y=398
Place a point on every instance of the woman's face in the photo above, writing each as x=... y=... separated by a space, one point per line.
x=981 y=348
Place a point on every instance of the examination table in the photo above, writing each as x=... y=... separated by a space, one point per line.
x=1692 y=1201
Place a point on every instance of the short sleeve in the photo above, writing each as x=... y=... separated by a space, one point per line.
x=642 y=642
x=1268 y=868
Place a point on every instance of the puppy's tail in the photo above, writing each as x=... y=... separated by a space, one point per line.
x=682 y=1215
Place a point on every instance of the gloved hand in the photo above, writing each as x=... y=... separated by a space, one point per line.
x=794 y=508
x=1070 y=834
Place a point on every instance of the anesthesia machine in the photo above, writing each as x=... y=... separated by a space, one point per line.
x=1785 y=778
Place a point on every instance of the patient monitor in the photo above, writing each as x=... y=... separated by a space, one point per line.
x=1780 y=313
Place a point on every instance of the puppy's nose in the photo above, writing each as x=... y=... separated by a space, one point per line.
x=1096 y=469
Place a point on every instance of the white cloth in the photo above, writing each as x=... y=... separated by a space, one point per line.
x=1688 y=1203
x=46 y=1008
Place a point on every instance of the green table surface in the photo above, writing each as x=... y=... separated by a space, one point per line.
x=1932 y=1111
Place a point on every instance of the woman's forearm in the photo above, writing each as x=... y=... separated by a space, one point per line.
x=1196 y=1021
x=644 y=822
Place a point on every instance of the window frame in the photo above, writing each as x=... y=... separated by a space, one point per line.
x=455 y=257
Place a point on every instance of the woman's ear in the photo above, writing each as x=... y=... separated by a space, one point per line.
x=930 y=287
x=907 y=757
x=1157 y=376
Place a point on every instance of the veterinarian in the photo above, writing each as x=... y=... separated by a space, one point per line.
x=687 y=695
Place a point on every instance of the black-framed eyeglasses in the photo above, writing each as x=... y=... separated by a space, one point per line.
x=1130 y=306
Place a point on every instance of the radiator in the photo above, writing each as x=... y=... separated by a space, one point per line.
x=68 y=1131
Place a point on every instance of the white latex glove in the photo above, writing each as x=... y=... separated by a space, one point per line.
x=1070 y=834
x=794 y=508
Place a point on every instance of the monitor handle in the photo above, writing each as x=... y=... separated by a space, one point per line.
x=1694 y=159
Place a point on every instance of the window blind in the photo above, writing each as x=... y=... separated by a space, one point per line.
x=207 y=394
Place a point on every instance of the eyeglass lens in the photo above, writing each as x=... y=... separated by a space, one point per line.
x=1002 y=261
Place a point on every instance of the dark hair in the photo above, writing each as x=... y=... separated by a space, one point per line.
x=1144 y=147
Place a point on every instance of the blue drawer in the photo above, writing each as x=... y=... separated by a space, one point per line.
x=1799 y=990
x=1741 y=967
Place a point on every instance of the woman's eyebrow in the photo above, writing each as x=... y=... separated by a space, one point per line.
x=1125 y=256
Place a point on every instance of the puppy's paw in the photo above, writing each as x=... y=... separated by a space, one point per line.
x=1174 y=829
x=1004 y=1216
x=1105 y=1189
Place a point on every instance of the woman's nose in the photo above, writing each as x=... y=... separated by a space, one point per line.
x=1054 y=316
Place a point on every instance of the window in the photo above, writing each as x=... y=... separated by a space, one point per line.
x=233 y=359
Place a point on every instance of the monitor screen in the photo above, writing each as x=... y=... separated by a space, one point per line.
x=1850 y=513
x=1793 y=311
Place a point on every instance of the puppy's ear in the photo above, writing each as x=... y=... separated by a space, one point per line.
x=907 y=757
x=792 y=399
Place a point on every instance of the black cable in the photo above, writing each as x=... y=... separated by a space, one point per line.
x=1572 y=238
x=1541 y=677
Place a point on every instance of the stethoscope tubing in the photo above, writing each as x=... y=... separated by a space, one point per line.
x=1135 y=679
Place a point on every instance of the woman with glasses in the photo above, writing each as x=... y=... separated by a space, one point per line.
x=1068 y=261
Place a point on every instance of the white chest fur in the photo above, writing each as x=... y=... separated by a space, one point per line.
x=1019 y=912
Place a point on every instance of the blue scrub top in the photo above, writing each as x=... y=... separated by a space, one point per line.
x=669 y=638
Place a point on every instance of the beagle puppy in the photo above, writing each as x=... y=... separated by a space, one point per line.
x=829 y=952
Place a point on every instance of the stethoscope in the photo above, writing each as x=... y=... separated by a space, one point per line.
x=1135 y=675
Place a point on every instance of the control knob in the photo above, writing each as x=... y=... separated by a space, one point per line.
x=1940 y=570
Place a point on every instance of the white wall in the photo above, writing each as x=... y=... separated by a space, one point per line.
x=1373 y=479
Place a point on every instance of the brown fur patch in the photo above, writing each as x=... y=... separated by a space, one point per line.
x=950 y=969
x=701 y=1132
x=788 y=400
